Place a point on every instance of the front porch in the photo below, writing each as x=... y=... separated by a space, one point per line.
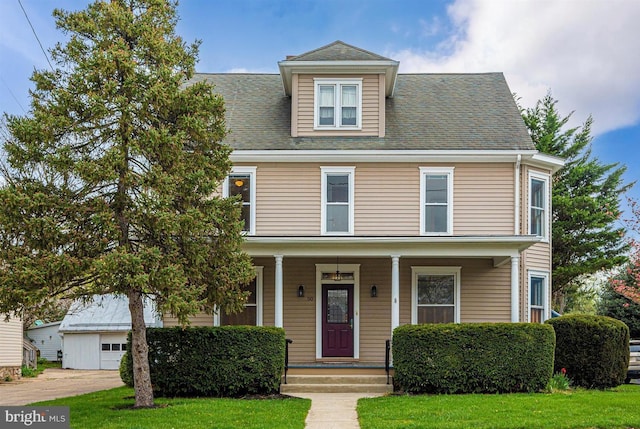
x=339 y=298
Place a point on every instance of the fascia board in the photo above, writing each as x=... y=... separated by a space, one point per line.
x=478 y=156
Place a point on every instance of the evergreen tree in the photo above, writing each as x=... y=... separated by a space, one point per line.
x=111 y=178
x=585 y=204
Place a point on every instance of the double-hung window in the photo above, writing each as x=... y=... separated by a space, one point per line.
x=538 y=205
x=252 y=313
x=338 y=104
x=435 y=295
x=241 y=182
x=436 y=201
x=337 y=200
x=538 y=296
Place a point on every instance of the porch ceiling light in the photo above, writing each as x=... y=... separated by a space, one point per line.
x=239 y=182
x=338 y=276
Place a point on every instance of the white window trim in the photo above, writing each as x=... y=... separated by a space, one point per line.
x=424 y=172
x=251 y=171
x=325 y=171
x=337 y=103
x=416 y=271
x=547 y=205
x=259 y=293
x=546 y=312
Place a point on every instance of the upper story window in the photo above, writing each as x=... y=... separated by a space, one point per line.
x=538 y=205
x=436 y=201
x=242 y=182
x=337 y=200
x=338 y=104
x=538 y=301
x=435 y=295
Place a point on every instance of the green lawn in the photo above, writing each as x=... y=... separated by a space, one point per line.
x=107 y=409
x=617 y=408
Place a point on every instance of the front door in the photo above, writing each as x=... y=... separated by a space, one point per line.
x=337 y=320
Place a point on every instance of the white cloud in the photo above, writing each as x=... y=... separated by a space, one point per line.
x=585 y=52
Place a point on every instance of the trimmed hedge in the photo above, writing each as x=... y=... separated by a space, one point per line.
x=229 y=361
x=473 y=357
x=594 y=350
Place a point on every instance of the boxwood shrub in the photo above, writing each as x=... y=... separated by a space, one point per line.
x=473 y=357
x=594 y=350
x=227 y=361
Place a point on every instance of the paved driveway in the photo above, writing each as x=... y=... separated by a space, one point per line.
x=57 y=383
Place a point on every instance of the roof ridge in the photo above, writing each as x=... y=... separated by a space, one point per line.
x=337 y=43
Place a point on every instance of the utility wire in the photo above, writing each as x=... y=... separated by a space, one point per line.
x=35 y=34
x=12 y=94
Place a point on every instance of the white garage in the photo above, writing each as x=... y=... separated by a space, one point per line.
x=94 y=334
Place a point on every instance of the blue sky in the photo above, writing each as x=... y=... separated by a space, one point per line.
x=584 y=51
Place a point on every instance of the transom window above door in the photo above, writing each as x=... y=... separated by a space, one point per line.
x=337 y=104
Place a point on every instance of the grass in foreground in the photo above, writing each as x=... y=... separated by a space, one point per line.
x=107 y=409
x=616 y=408
x=41 y=366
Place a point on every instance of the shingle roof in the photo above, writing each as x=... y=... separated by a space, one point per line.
x=428 y=111
x=106 y=313
x=338 y=51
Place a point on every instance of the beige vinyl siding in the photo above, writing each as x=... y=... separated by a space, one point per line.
x=288 y=199
x=375 y=313
x=10 y=342
x=485 y=291
x=299 y=314
x=483 y=199
x=200 y=319
x=305 y=101
x=387 y=198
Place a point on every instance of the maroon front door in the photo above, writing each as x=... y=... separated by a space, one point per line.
x=337 y=320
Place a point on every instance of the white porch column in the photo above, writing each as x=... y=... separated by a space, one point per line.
x=515 y=288
x=278 y=321
x=395 y=291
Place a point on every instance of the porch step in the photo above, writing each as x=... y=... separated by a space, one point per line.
x=361 y=383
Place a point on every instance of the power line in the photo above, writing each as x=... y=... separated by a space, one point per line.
x=12 y=94
x=35 y=34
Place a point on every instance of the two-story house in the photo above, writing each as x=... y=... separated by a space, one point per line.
x=373 y=199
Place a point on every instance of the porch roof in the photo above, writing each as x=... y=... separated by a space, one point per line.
x=500 y=248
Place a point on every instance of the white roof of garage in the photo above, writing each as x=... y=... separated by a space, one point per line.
x=106 y=313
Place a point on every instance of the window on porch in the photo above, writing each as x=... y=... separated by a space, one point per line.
x=252 y=313
x=435 y=295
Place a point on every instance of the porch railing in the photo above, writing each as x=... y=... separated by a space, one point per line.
x=387 y=358
x=286 y=358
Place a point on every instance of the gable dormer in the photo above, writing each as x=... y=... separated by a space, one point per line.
x=338 y=90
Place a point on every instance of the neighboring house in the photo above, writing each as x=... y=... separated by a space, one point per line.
x=10 y=347
x=94 y=334
x=373 y=199
x=47 y=339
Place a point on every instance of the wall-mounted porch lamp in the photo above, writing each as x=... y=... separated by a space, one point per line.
x=374 y=291
x=300 y=291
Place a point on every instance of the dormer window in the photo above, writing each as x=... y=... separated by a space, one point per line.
x=338 y=104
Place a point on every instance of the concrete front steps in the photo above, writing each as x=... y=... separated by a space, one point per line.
x=336 y=383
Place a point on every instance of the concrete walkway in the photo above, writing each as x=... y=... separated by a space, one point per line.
x=56 y=383
x=333 y=410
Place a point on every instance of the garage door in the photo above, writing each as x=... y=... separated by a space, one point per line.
x=112 y=348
